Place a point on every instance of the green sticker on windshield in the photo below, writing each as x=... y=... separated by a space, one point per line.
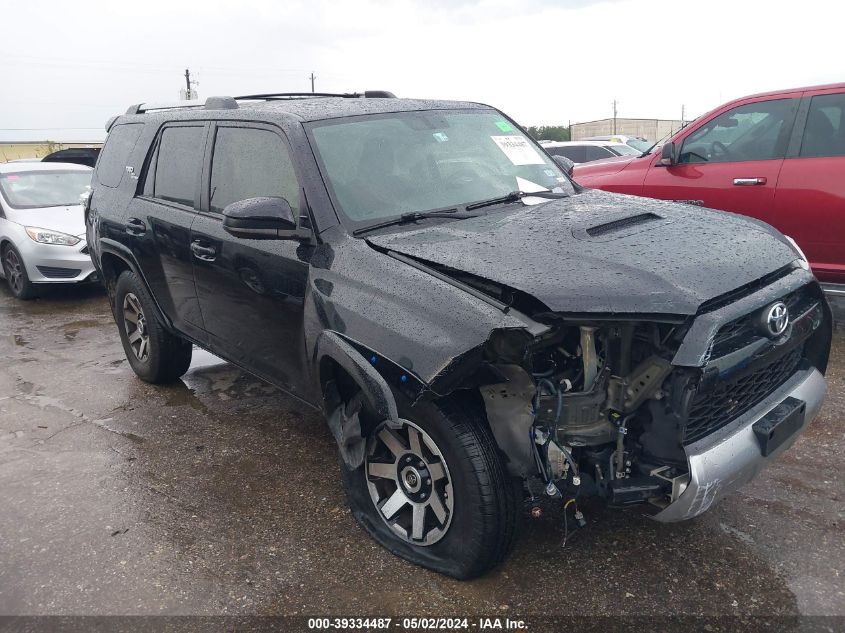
x=504 y=126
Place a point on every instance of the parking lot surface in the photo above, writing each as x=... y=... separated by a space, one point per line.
x=220 y=495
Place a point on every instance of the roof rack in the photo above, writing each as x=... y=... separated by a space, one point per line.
x=231 y=103
x=367 y=94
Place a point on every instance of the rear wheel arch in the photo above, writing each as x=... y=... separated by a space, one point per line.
x=112 y=266
x=113 y=261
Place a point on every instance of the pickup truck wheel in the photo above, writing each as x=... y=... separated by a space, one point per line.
x=435 y=491
x=155 y=355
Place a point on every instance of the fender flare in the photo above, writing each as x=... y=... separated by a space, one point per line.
x=375 y=389
x=123 y=253
x=347 y=428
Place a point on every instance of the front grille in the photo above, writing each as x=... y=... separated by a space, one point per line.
x=58 y=273
x=711 y=410
x=742 y=331
x=84 y=250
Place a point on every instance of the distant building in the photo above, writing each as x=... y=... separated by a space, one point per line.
x=16 y=150
x=651 y=129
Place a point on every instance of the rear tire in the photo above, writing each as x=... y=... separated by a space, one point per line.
x=155 y=355
x=16 y=276
x=475 y=522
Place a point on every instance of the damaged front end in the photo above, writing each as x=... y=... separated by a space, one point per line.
x=673 y=411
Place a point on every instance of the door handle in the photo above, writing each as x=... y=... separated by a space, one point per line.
x=134 y=226
x=749 y=182
x=205 y=253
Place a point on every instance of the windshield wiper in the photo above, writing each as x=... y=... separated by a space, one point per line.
x=516 y=196
x=414 y=216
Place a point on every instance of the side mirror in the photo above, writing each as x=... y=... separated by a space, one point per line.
x=260 y=218
x=667 y=155
x=565 y=164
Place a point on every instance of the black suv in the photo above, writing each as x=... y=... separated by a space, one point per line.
x=478 y=330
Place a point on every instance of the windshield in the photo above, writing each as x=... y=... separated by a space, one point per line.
x=382 y=166
x=624 y=150
x=638 y=145
x=35 y=189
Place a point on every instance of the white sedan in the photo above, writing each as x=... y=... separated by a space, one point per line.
x=587 y=151
x=42 y=228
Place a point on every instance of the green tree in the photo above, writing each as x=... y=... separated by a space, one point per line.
x=549 y=132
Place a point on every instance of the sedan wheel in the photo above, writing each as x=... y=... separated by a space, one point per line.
x=16 y=277
x=409 y=483
x=14 y=271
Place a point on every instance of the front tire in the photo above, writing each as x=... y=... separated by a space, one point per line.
x=155 y=355
x=435 y=491
x=16 y=276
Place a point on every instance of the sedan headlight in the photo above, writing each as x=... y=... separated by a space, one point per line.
x=45 y=236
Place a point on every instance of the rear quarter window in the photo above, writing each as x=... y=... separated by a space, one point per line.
x=119 y=145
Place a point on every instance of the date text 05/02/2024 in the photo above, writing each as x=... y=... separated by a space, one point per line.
x=417 y=624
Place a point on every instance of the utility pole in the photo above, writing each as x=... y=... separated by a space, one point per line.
x=614 y=117
x=682 y=115
x=313 y=77
x=189 y=92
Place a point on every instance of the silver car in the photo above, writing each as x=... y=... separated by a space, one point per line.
x=42 y=228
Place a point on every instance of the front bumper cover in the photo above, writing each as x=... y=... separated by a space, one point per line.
x=731 y=457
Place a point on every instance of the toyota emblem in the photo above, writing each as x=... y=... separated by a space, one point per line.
x=777 y=319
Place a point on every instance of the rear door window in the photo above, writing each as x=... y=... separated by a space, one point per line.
x=177 y=166
x=251 y=163
x=754 y=131
x=594 y=152
x=824 y=133
x=575 y=153
x=115 y=157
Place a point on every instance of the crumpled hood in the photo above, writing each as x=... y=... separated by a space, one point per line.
x=67 y=219
x=604 y=252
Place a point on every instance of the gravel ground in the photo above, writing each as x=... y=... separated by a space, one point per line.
x=220 y=496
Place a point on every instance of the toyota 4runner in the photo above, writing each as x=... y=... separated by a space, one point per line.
x=477 y=329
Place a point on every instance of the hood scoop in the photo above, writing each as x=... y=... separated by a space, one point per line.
x=621 y=224
x=616 y=227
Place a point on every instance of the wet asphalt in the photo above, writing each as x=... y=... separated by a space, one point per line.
x=219 y=495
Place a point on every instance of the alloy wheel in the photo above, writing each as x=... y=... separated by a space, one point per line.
x=135 y=324
x=14 y=270
x=409 y=483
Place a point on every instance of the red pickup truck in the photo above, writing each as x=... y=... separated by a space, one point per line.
x=778 y=157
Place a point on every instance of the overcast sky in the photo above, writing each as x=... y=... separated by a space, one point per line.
x=68 y=66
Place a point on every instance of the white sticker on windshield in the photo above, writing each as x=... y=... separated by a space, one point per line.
x=518 y=150
x=527 y=186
